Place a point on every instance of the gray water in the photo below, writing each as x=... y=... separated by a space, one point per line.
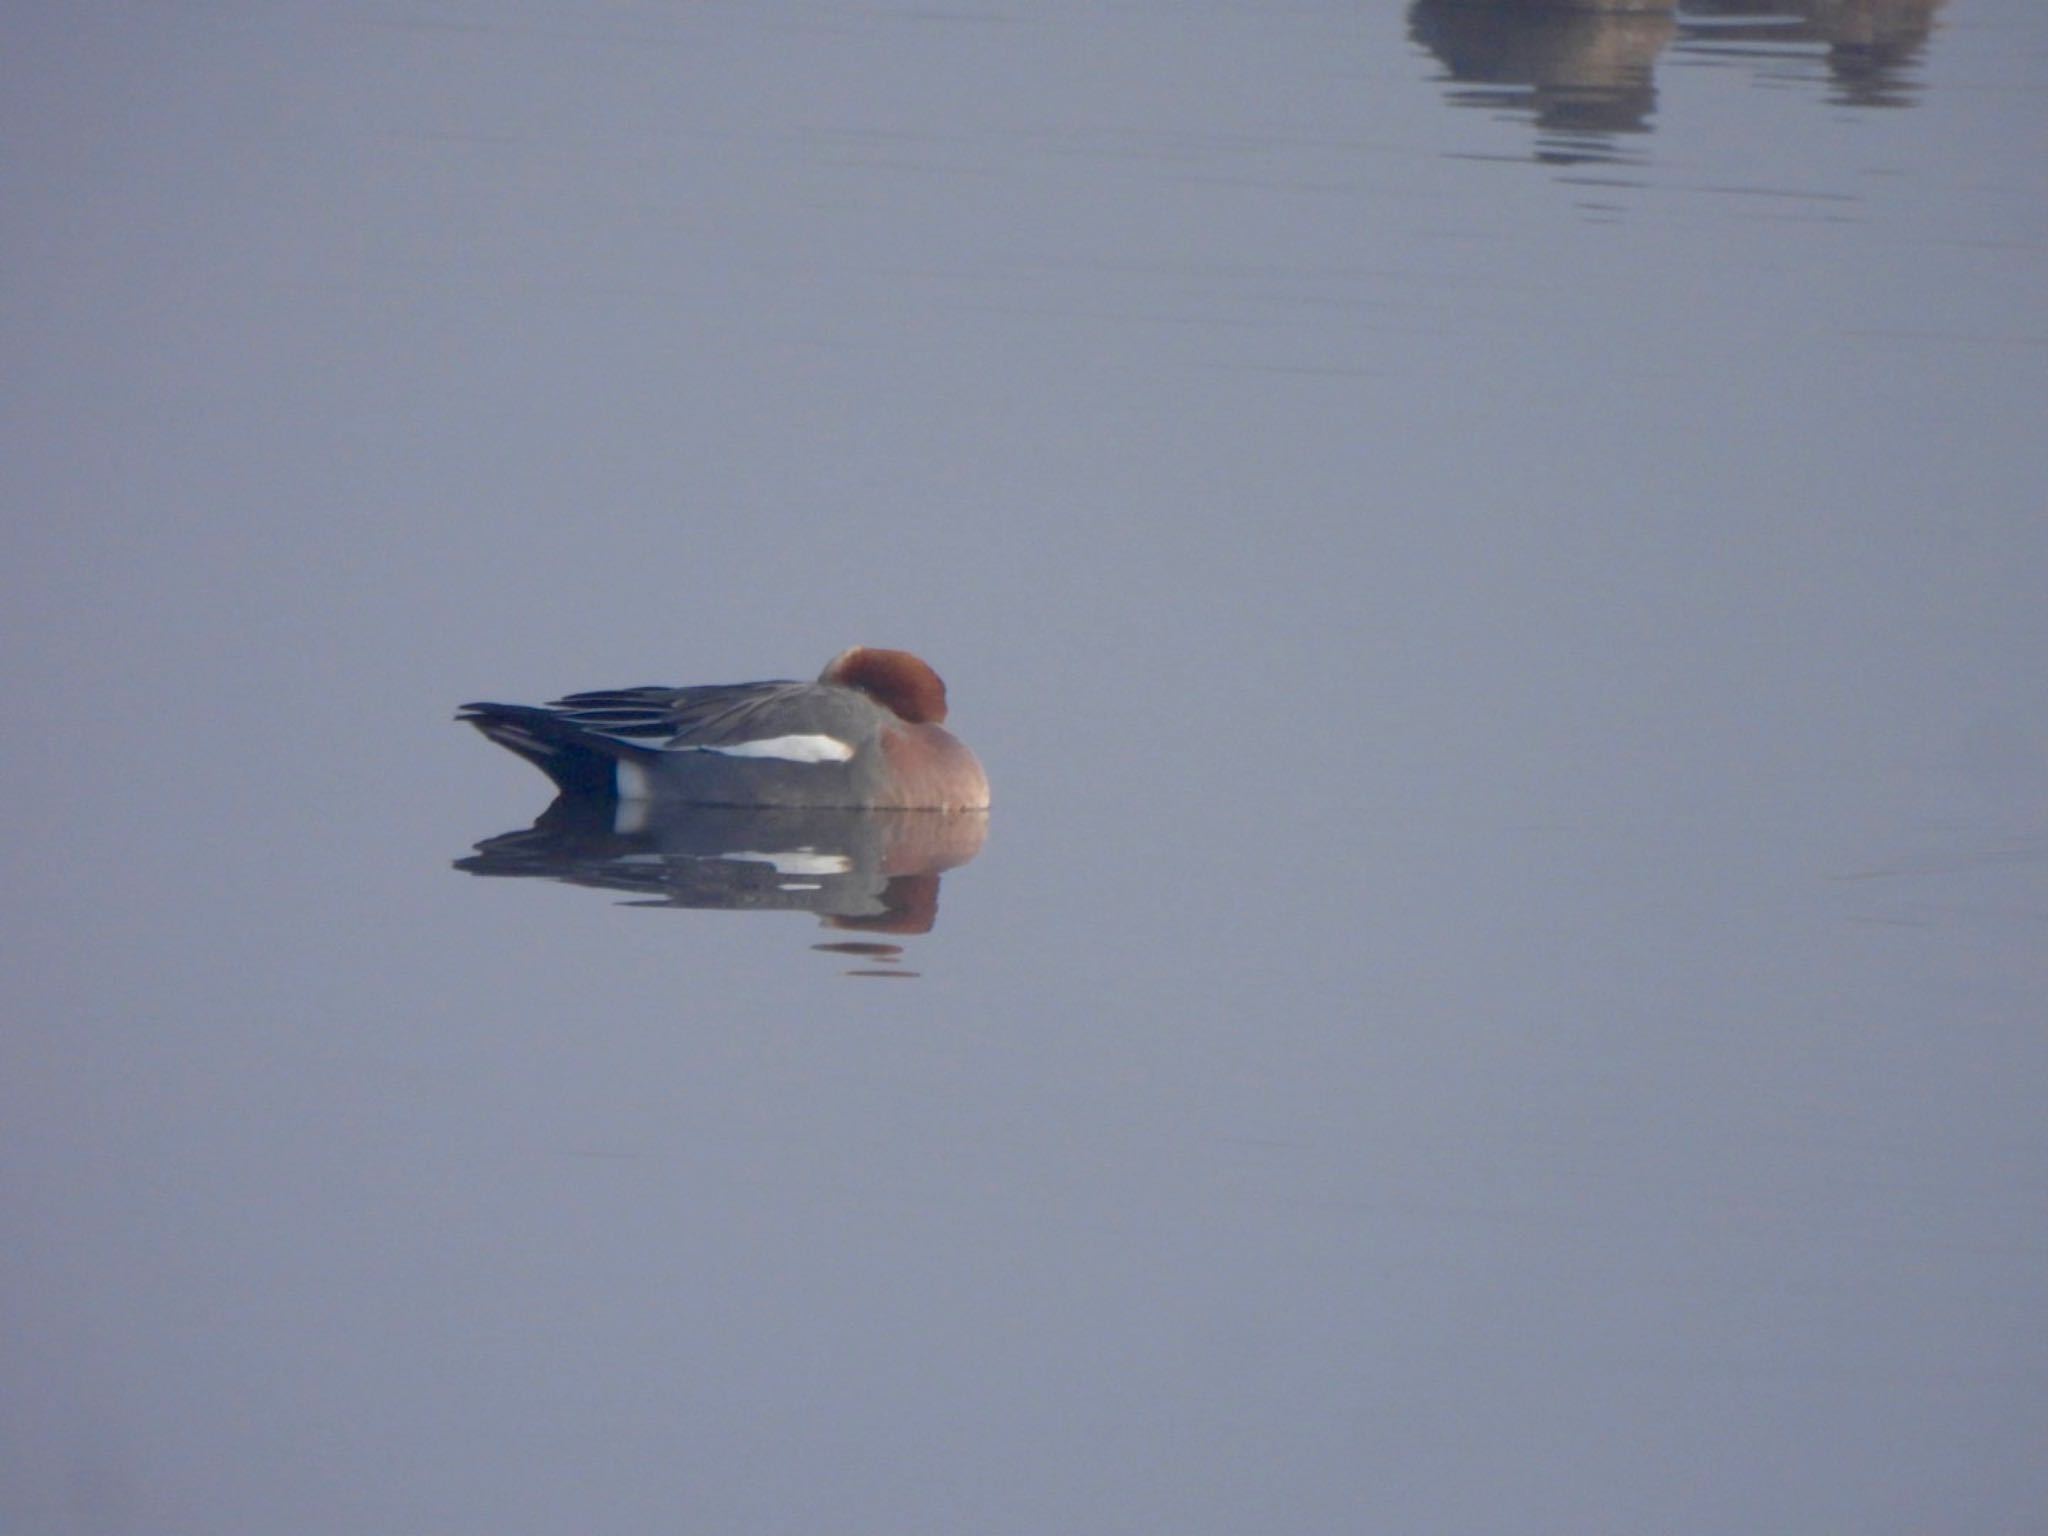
x=1498 y=572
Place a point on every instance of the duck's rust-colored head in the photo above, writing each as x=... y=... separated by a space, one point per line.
x=895 y=679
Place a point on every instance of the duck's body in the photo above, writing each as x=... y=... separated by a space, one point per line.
x=866 y=735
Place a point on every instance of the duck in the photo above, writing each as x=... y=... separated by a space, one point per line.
x=869 y=734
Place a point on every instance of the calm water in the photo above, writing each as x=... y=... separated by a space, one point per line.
x=1497 y=565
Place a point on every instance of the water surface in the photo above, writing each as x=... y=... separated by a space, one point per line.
x=1497 y=571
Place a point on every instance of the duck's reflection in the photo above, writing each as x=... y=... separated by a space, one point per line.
x=868 y=871
x=1584 y=71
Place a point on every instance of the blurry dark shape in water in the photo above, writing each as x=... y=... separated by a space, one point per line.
x=1584 y=73
x=868 y=871
x=1874 y=47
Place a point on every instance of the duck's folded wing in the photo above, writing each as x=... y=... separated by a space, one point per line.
x=724 y=717
x=651 y=716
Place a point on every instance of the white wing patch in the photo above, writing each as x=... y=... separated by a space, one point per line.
x=800 y=861
x=633 y=784
x=790 y=749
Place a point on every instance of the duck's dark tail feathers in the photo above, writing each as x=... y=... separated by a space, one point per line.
x=579 y=761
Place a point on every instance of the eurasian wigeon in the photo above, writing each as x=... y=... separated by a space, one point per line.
x=866 y=735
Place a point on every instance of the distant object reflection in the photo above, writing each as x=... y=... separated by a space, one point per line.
x=1872 y=48
x=860 y=871
x=1583 y=74
x=1584 y=71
